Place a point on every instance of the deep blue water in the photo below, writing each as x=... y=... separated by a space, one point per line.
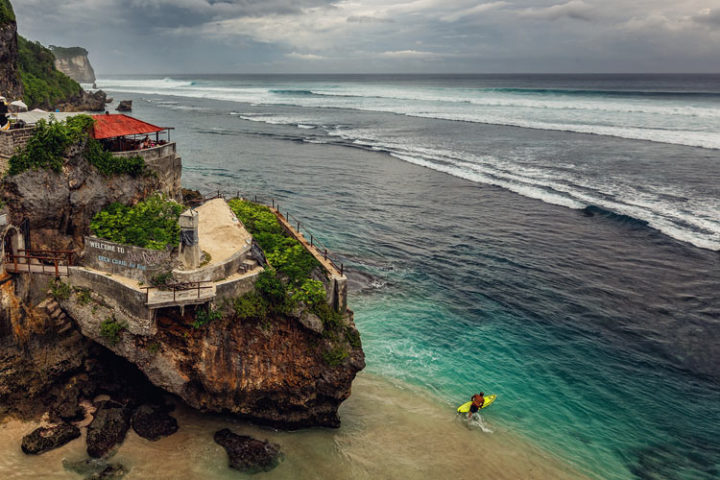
x=560 y=268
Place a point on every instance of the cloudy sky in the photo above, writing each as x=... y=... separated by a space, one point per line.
x=356 y=36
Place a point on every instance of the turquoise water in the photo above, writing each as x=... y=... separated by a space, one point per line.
x=597 y=331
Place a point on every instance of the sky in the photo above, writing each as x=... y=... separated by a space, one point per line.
x=381 y=36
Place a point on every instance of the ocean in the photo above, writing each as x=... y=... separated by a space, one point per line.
x=552 y=239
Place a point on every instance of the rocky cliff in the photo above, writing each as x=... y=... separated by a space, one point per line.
x=60 y=205
x=74 y=63
x=273 y=372
x=10 y=84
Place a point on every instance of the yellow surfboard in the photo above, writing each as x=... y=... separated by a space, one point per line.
x=465 y=407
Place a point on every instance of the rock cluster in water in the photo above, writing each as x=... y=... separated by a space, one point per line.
x=248 y=454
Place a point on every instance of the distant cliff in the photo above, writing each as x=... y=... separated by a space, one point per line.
x=74 y=63
x=10 y=85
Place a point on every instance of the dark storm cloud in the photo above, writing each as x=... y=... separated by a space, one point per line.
x=165 y=36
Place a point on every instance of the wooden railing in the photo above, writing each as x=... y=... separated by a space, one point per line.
x=39 y=261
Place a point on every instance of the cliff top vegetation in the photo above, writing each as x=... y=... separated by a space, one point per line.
x=68 y=52
x=47 y=148
x=152 y=223
x=44 y=85
x=7 y=14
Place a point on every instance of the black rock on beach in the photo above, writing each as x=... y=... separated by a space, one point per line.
x=47 y=438
x=248 y=454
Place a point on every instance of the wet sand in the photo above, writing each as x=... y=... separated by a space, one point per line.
x=388 y=432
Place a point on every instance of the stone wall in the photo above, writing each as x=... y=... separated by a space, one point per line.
x=137 y=263
x=167 y=165
x=10 y=141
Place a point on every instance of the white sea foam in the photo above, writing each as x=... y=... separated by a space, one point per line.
x=668 y=120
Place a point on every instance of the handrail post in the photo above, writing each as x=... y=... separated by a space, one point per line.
x=326 y=254
x=342 y=269
x=298 y=229
x=57 y=273
x=311 y=240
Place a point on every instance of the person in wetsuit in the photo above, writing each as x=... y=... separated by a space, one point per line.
x=477 y=402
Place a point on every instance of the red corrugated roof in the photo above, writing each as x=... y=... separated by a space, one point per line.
x=119 y=125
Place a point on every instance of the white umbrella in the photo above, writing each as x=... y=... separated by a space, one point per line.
x=20 y=105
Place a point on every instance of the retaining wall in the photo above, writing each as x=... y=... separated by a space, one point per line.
x=10 y=141
x=138 y=263
x=165 y=162
x=127 y=299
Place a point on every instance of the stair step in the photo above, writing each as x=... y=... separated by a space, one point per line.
x=64 y=328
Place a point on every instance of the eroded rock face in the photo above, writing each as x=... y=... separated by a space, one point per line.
x=44 y=439
x=108 y=428
x=274 y=372
x=10 y=84
x=60 y=205
x=84 y=102
x=248 y=454
x=74 y=63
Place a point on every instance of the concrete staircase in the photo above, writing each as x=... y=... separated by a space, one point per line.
x=59 y=320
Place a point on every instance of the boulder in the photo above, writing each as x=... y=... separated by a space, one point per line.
x=312 y=322
x=108 y=428
x=153 y=422
x=96 y=469
x=124 y=106
x=47 y=438
x=248 y=454
x=66 y=404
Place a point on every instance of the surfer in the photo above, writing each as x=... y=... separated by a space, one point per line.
x=477 y=402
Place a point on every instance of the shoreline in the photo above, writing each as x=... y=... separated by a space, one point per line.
x=389 y=430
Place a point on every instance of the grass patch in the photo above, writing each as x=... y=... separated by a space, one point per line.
x=60 y=290
x=162 y=280
x=110 y=330
x=204 y=316
x=152 y=223
x=251 y=306
x=83 y=296
x=353 y=337
x=153 y=348
x=6 y=12
x=335 y=356
x=283 y=252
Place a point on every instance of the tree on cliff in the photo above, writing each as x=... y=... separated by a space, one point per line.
x=6 y=12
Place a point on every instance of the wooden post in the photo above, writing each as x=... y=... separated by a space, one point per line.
x=147 y=296
x=273 y=203
x=298 y=229
x=312 y=240
x=342 y=269
x=326 y=254
x=57 y=273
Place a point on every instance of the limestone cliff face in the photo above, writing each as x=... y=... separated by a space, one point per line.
x=74 y=63
x=60 y=205
x=273 y=372
x=10 y=84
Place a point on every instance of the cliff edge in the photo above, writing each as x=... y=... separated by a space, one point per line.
x=10 y=85
x=74 y=62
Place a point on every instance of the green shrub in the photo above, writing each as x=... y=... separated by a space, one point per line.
x=353 y=337
x=109 y=165
x=283 y=252
x=60 y=290
x=251 y=306
x=161 y=279
x=83 y=296
x=44 y=86
x=153 y=348
x=311 y=292
x=204 y=316
x=6 y=12
x=151 y=224
x=330 y=318
x=110 y=329
x=335 y=356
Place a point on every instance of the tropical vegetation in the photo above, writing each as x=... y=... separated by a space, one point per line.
x=152 y=223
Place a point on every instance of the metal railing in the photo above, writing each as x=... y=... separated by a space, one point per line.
x=298 y=226
x=40 y=261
